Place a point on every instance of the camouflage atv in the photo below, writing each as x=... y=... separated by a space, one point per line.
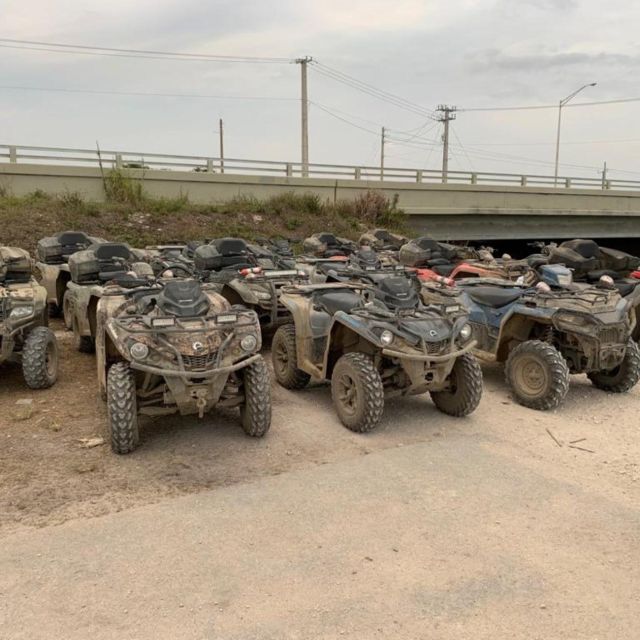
x=177 y=346
x=242 y=277
x=544 y=334
x=24 y=335
x=369 y=350
x=382 y=240
x=90 y=271
x=326 y=245
x=53 y=266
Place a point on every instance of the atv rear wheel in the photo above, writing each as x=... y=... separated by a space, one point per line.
x=462 y=397
x=357 y=392
x=122 y=408
x=624 y=377
x=538 y=375
x=40 y=358
x=67 y=312
x=83 y=344
x=285 y=359
x=255 y=413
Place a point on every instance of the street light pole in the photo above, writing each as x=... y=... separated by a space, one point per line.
x=560 y=105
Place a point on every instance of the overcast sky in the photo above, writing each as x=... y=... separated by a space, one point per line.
x=470 y=53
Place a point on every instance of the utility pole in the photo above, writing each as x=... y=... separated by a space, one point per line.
x=382 y=154
x=221 y=132
x=304 y=99
x=446 y=114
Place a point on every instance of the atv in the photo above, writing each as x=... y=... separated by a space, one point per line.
x=326 y=245
x=368 y=350
x=176 y=345
x=24 y=334
x=53 y=266
x=382 y=240
x=543 y=334
x=242 y=277
x=90 y=270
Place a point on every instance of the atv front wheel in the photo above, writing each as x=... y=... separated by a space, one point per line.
x=122 y=408
x=462 y=397
x=285 y=359
x=255 y=413
x=67 y=312
x=624 y=377
x=538 y=375
x=40 y=358
x=357 y=392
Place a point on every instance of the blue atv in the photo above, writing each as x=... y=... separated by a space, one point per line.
x=546 y=332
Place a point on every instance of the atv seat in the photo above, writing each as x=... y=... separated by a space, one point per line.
x=537 y=260
x=110 y=251
x=332 y=301
x=444 y=269
x=493 y=296
x=234 y=252
x=594 y=276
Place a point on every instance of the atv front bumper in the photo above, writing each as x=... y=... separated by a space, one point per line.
x=427 y=357
x=182 y=373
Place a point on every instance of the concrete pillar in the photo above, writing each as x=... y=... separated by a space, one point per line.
x=289 y=170
x=567 y=183
x=419 y=175
x=474 y=178
x=13 y=154
x=523 y=181
x=118 y=161
x=358 y=173
x=210 y=165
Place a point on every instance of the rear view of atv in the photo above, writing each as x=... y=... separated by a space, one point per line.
x=543 y=335
x=90 y=271
x=24 y=335
x=53 y=266
x=342 y=333
x=242 y=277
x=326 y=245
x=178 y=346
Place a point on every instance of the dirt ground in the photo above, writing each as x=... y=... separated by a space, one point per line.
x=47 y=477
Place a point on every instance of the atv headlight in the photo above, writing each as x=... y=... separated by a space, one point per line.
x=22 y=311
x=249 y=343
x=465 y=332
x=386 y=337
x=162 y=323
x=139 y=351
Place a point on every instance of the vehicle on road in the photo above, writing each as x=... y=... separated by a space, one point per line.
x=176 y=345
x=24 y=334
x=368 y=350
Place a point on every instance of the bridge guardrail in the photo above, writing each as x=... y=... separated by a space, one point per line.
x=238 y=166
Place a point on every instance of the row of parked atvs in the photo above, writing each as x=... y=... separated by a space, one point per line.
x=180 y=327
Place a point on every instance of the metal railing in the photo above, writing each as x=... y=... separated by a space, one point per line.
x=237 y=166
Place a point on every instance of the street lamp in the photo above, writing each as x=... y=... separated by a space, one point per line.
x=560 y=105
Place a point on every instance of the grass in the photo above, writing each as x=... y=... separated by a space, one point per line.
x=130 y=215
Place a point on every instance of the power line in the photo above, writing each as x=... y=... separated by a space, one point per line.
x=369 y=90
x=143 y=93
x=143 y=53
x=338 y=117
x=551 y=106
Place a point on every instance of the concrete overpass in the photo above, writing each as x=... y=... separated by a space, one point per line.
x=458 y=206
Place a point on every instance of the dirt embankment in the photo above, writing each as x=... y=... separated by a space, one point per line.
x=141 y=221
